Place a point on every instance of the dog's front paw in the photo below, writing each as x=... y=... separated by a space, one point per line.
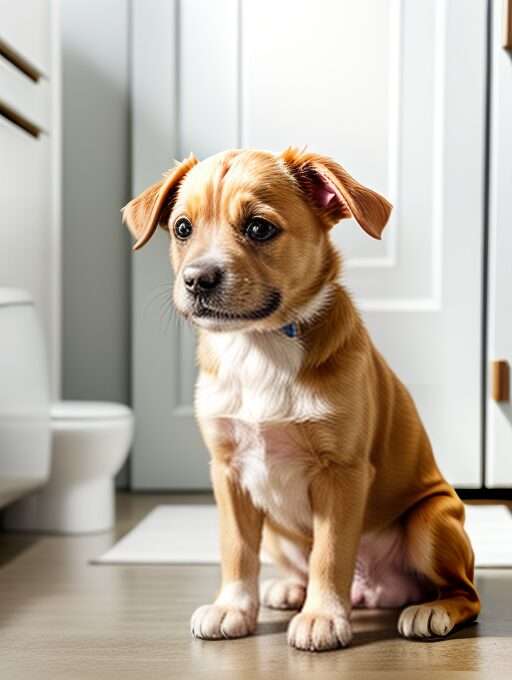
x=283 y=593
x=319 y=632
x=216 y=622
x=424 y=621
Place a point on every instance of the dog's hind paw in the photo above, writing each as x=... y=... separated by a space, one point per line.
x=283 y=594
x=424 y=621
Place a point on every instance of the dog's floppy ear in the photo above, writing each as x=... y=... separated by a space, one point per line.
x=152 y=207
x=334 y=194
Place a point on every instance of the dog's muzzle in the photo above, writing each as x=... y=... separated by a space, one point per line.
x=209 y=298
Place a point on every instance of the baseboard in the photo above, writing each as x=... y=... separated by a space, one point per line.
x=485 y=494
x=465 y=494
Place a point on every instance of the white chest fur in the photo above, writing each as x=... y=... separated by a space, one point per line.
x=257 y=397
x=257 y=380
x=272 y=466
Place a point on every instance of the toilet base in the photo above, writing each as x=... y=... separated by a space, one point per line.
x=82 y=507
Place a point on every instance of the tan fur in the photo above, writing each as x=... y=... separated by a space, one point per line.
x=367 y=461
x=152 y=207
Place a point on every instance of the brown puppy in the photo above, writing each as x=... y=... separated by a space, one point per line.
x=316 y=445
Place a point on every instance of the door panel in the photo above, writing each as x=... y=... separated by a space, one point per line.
x=499 y=414
x=395 y=92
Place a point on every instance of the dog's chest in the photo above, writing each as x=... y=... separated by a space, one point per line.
x=257 y=381
x=257 y=401
x=272 y=462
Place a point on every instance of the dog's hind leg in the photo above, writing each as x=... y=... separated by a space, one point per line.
x=438 y=548
x=288 y=592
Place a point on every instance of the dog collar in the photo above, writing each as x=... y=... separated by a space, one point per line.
x=291 y=330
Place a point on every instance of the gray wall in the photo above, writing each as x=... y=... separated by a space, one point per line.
x=96 y=175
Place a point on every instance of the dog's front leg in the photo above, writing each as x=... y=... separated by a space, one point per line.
x=338 y=498
x=235 y=611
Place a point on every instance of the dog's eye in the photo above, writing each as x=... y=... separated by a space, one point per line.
x=259 y=229
x=182 y=228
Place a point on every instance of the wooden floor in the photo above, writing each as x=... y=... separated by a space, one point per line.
x=61 y=617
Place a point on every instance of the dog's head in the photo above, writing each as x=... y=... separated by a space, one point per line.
x=249 y=232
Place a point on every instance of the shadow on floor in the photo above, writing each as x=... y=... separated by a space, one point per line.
x=372 y=626
x=12 y=545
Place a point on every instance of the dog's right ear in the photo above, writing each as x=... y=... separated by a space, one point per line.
x=334 y=194
x=152 y=207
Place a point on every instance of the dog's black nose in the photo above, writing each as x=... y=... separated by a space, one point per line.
x=202 y=278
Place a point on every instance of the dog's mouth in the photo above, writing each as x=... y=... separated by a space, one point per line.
x=203 y=309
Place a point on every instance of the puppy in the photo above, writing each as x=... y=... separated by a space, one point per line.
x=316 y=446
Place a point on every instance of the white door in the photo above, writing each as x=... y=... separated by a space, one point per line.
x=395 y=91
x=499 y=413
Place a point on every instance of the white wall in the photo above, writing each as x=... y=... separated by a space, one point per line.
x=96 y=171
x=96 y=163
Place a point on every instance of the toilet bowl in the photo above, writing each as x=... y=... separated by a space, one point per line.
x=90 y=442
x=57 y=461
x=25 y=445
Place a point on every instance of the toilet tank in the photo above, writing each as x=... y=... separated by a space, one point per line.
x=24 y=398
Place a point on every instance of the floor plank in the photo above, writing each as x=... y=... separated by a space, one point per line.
x=61 y=617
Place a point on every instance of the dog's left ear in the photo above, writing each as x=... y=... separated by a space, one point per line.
x=152 y=207
x=336 y=195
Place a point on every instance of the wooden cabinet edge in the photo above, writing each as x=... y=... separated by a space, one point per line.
x=500 y=380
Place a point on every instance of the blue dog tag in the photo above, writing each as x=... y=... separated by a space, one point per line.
x=290 y=330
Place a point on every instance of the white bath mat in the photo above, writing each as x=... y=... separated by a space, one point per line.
x=187 y=534
x=170 y=534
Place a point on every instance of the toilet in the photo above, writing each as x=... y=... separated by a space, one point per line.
x=89 y=444
x=88 y=441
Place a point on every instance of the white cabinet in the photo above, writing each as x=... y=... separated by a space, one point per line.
x=395 y=91
x=26 y=26
x=30 y=160
x=499 y=414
